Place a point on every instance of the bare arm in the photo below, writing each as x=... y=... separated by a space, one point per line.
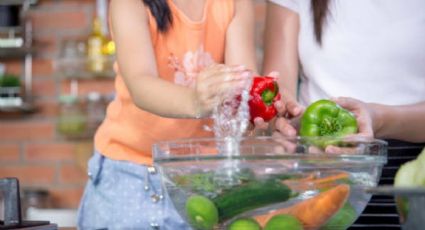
x=149 y=92
x=405 y=122
x=240 y=47
x=281 y=55
x=137 y=63
x=281 y=47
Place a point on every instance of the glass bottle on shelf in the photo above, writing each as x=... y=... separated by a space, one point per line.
x=108 y=48
x=95 y=46
x=72 y=121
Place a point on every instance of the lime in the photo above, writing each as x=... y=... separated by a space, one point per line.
x=342 y=219
x=283 y=222
x=202 y=212
x=244 y=224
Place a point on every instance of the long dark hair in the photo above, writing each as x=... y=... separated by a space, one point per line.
x=162 y=13
x=320 y=10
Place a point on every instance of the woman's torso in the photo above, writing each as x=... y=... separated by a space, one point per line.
x=128 y=132
x=372 y=50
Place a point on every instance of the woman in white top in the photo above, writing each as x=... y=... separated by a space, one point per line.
x=371 y=50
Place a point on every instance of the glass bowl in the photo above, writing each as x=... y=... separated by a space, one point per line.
x=410 y=204
x=225 y=184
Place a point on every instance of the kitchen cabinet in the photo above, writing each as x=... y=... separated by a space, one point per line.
x=16 y=44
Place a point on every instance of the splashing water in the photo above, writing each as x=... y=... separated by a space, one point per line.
x=231 y=119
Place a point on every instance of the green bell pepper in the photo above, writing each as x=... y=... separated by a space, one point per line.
x=328 y=119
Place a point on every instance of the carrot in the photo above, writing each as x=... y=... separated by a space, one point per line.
x=312 y=182
x=339 y=176
x=309 y=177
x=316 y=211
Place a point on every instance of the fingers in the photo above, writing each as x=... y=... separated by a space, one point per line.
x=347 y=103
x=225 y=80
x=361 y=111
x=218 y=83
x=221 y=81
x=286 y=145
x=365 y=130
x=259 y=123
x=216 y=74
x=261 y=128
x=293 y=109
x=331 y=149
x=280 y=107
x=365 y=134
x=274 y=74
x=284 y=127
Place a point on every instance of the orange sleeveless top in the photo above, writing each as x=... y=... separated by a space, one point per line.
x=127 y=133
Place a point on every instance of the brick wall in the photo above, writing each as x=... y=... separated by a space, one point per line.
x=31 y=148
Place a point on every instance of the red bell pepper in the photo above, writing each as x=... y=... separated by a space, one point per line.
x=264 y=93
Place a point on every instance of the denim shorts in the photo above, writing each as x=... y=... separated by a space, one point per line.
x=125 y=195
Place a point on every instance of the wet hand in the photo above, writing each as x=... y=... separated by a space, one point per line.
x=260 y=127
x=217 y=83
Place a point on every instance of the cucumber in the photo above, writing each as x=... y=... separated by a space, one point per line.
x=206 y=183
x=249 y=196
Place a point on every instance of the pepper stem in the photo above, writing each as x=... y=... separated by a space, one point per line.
x=330 y=126
x=268 y=96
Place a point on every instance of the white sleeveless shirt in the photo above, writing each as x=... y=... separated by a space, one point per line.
x=372 y=50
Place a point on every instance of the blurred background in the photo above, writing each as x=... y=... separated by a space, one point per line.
x=56 y=79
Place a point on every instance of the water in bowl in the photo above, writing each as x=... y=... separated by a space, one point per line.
x=200 y=172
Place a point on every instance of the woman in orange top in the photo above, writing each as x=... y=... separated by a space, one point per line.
x=176 y=59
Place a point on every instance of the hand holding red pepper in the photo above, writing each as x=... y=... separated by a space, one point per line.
x=264 y=93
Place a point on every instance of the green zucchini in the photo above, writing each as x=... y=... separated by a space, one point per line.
x=249 y=196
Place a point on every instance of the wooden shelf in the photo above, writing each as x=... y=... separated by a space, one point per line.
x=14 y=53
x=17 y=111
x=11 y=29
x=17 y=2
x=75 y=68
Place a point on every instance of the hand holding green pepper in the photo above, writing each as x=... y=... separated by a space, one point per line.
x=326 y=118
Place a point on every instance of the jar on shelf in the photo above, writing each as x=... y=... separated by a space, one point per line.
x=72 y=120
x=72 y=52
x=95 y=111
